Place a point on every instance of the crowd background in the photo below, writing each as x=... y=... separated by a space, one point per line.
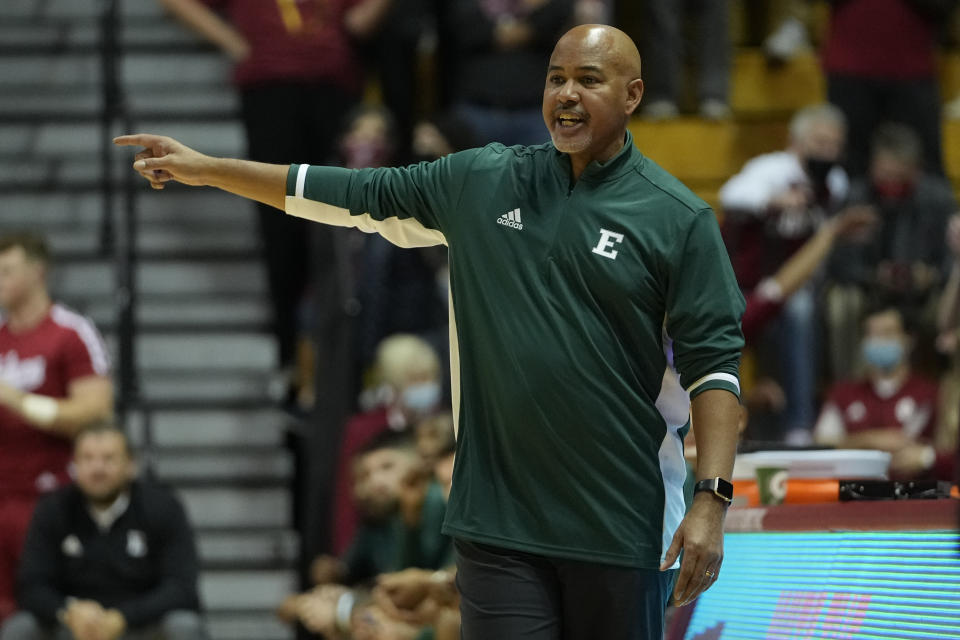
x=824 y=134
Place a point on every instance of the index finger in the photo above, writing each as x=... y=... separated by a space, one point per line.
x=138 y=139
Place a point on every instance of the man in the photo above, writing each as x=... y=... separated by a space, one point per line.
x=53 y=381
x=892 y=409
x=772 y=207
x=905 y=259
x=107 y=557
x=566 y=261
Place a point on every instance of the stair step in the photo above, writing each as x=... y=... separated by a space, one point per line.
x=182 y=467
x=280 y=547
x=210 y=427
x=247 y=507
x=217 y=388
x=261 y=590
x=184 y=313
x=247 y=625
x=211 y=352
x=178 y=277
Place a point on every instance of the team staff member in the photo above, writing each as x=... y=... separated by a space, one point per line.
x=53 y=382
x=566 y=260
x=108 y=557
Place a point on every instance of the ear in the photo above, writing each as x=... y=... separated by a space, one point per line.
x=634 y=95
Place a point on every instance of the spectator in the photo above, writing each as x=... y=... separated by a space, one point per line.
x=880 y=61
x=108 y=557
x=441 y=135
x=904 y=259
x=403 y=510
x=771 y=208
x=508 y=43
x=54 y=380
x=663 y=56
x=410 y=372
x=298 y=76
x=892 y=408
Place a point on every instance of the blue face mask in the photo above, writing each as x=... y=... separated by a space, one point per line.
x=421 y=397
x=882 y=353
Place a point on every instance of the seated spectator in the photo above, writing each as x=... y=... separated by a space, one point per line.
x=891 y=409
x=107 y=557
x=774 y=205
x=409 y=371
x=403 y=511
x=434 y=437
x=904 y=259
x=54 y=381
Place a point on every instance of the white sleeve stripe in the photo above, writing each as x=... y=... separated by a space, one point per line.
x=301 y=179
x=723 y=377
x=88 y=335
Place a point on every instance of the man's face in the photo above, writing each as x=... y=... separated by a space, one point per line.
x=103 y=466
x=824 y=140
x=378 y=477
x=19 y=277
x=887 y=169
x=588 y=97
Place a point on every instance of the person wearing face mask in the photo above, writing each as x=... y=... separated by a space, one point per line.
x=891 y=408
x=409 y=371
x=771 y=208
x=905 y=257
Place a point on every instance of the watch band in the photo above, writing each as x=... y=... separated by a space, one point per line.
x=719 y=487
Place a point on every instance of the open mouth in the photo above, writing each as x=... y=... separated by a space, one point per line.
x=568 y=121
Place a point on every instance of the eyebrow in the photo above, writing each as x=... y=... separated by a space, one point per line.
x=586 y=67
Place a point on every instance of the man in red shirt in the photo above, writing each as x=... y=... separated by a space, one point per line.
x=53 y=382
x=891 y=409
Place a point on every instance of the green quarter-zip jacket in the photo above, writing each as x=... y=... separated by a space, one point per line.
x=560 y=294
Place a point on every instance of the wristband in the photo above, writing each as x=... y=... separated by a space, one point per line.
x=41 y=410
x=344 y=609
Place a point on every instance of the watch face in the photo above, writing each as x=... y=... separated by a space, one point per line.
x=725 y=488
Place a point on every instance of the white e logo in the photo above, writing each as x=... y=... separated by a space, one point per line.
x=607 y=240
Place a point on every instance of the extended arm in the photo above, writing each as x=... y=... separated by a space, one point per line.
x=164 y=159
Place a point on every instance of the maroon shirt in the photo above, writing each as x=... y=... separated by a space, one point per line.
x=293 y=40
x=884 y=39
x=43 y=360
x=912 y=408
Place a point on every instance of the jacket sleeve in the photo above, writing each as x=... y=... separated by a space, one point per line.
x=411 y=206
x=39 y=591
x=177 y=588
x=704 y=308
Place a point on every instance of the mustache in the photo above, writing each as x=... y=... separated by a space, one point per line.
x=570 y=112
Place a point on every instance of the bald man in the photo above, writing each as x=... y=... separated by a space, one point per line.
x=568 y=262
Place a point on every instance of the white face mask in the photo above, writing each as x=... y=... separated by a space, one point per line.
x=421 y=397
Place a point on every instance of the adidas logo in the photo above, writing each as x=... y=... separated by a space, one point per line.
x=511 y=219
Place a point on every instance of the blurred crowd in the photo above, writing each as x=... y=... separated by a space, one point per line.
x=845 y=241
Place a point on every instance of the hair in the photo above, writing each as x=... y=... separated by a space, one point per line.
x=881 y=306
x=898 y=140
x=402 y=353
x=805 y=118
x=33 y=245
x=389 y=439
x=101 y=428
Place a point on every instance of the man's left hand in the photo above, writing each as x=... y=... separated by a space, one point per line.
x=700 y=537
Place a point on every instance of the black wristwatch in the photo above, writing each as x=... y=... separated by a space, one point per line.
x=719 y=487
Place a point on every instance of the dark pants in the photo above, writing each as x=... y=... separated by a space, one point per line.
x=869 y=102
x=511 y=595
x=290 y=123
